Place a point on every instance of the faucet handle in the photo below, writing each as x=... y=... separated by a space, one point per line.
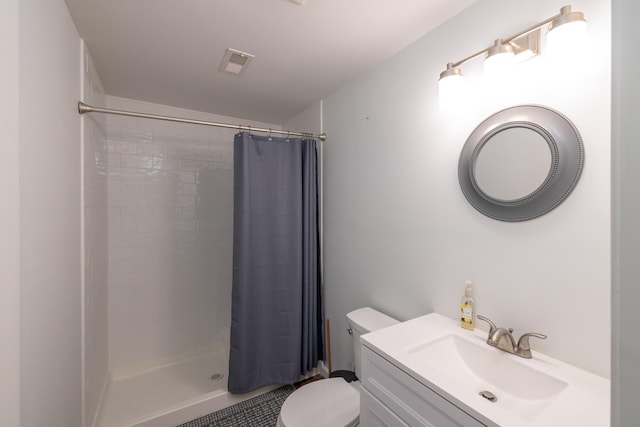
x=523 y=348
x=492 y=325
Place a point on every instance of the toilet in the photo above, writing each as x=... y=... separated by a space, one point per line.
x=334 y=402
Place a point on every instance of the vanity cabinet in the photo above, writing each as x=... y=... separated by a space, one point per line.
x=391 y=398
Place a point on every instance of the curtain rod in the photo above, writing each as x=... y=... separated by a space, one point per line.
x=85 y=108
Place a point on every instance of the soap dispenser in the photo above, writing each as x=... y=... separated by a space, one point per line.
x=468 y=308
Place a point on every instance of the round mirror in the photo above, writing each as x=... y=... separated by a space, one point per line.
x=512 y=164
x=521 y=163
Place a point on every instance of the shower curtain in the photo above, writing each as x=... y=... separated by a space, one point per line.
x=276 y=315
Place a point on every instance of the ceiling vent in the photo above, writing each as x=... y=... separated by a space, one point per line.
x=235 y=62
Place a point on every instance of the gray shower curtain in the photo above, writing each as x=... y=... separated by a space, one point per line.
x=276 y=315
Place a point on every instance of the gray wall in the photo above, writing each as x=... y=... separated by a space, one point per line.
x=399 y=234
x=10 y=215
x=626 y=211
x=50 y=216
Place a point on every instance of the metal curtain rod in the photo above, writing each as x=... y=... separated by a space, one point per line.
x=85 y=108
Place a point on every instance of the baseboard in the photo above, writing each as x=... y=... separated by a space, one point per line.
x=323 y=369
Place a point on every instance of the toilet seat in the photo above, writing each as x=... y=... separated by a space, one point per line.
x=332 y=402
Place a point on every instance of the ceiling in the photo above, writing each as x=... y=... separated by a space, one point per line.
x=169 y=51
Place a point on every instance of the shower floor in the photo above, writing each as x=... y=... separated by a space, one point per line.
x=170 y=392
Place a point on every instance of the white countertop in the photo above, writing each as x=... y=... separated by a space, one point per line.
x=584 y=401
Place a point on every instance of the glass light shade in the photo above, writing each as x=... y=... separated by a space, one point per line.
x=567 y=39
x=499 y=65
x=451 y=92
x=499 y=62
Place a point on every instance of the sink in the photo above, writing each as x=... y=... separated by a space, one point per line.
x=461 y=367
x=480 y=366
x=477 y=367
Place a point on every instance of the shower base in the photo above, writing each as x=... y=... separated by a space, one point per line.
x=169 y=392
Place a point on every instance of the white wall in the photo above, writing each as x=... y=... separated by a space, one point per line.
x=95 y=249
x=50 y=209
x=170 y=233
x=401 y=237
x=10 y=215
x=310 y=120
x=626 y=210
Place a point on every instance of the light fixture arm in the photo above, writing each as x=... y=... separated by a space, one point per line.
x=507 y=40
x=563 y=16
x=530 y=29
x=470 y=57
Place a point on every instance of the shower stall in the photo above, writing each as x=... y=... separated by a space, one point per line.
x=167 y=211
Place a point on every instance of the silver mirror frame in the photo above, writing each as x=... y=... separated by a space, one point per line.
x=567 y=162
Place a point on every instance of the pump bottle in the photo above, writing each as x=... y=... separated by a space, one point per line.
x=468 y=308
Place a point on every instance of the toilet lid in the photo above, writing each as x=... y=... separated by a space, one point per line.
x=326 y=403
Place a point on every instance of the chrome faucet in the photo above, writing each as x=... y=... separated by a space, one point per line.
x=501 y=338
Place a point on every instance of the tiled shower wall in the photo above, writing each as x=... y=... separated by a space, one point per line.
x=170 y=233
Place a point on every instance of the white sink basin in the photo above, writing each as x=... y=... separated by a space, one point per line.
x=479 y=366
x=459 y=365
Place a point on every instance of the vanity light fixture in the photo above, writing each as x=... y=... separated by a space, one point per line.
x=567 y=28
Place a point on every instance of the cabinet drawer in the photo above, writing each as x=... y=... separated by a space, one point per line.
x=410 y=400
x=374 y=414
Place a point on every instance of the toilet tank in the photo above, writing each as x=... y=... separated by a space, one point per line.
x=362 y=321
